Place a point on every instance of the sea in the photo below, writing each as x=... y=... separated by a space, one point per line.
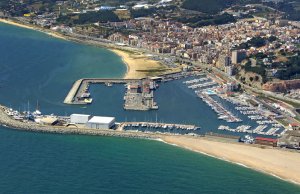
x=38 y=69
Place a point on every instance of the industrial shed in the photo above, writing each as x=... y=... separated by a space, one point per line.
x=101 y=122
x=80 y=118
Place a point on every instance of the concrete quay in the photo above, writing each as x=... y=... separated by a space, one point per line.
x=80 y=86
x=72 y=93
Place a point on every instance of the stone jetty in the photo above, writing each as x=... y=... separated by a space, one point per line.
x=7 y=121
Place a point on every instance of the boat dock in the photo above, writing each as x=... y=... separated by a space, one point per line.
x=139 y=95
x=159 y=127
x=79 y=91
x=69 y=98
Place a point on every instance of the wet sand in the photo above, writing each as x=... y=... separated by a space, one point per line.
x=279 y=163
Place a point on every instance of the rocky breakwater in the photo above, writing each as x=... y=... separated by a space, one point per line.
x=7 y=121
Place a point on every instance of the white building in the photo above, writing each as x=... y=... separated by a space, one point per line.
x=101 y=122
x=229 y=70
x=80 y=118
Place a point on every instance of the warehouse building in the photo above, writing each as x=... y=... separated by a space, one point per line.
x=80 y=118
x=101 y=122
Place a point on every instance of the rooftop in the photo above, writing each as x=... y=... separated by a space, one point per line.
x=98 y=119
x=80 y=115
x=266 y=139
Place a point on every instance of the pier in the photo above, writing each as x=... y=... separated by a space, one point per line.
x=77 y=93
x=139 y=93
x=164 y=128
x=69 y=98
x=60 y=128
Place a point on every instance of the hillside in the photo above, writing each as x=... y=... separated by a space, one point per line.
x=213 y=6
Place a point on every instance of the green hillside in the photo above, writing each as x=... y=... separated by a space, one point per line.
x=212 y=6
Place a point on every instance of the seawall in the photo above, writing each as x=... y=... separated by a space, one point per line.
x=5 y=120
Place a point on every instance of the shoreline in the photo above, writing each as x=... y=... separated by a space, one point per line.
x=282 y=164
x=31 y=27
x=135 y=62
x=169 y=139
x=138 y=65
x=233 y=162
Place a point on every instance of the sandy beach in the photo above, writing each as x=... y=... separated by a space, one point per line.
x=283 y=164
x=140 y=66
x=50 y=33
x=280 y=163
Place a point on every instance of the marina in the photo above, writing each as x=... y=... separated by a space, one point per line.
x=208 y=91
x=79 y=94
x=259 y=130
x=98 y=156
x=204 y=90
x=84 y=122
x=139 y=95
x=177 y=129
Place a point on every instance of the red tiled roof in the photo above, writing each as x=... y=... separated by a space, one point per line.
x=294 y=124
x=266 y=139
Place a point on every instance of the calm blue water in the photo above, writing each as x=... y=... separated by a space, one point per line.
x=47 y=163
x=35 y=67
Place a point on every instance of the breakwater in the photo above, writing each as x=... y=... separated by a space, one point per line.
x=7 y=121
x=80 y=86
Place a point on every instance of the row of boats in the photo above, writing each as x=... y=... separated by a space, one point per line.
x=196 y=80
x=203 y=85
x=223 y=113
x=258 y=115
x=161 y=126
x=85 y=96
x=180 y=75
x=25 y=115
x=255 y=114
x=258 y=130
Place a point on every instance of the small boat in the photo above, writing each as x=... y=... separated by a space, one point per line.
x=88 y=100
x=108 y=84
